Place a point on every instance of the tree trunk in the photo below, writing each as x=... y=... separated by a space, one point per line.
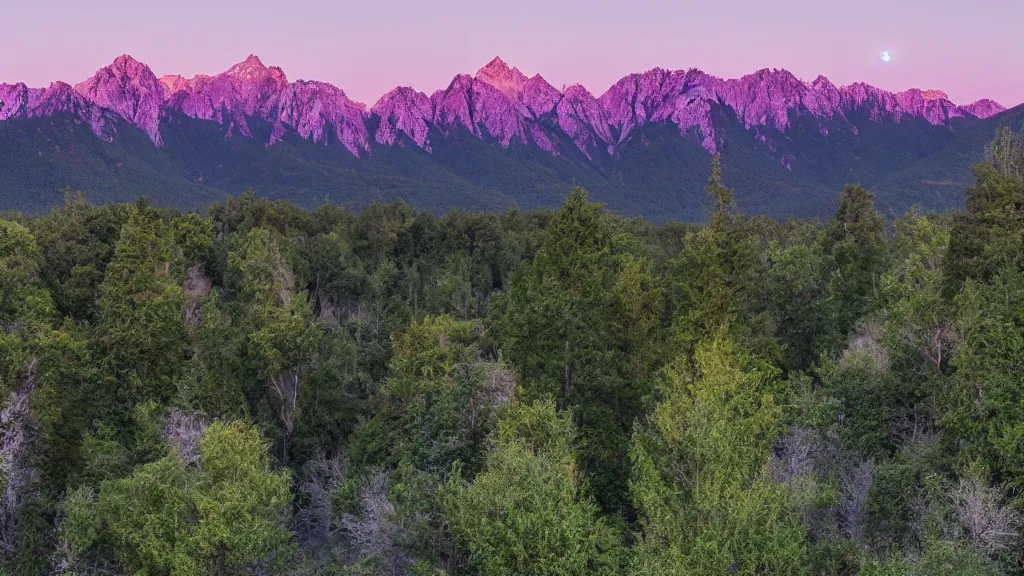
x=567 y=381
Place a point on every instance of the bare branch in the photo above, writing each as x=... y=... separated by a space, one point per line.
x=499 y=385
x=16 y=438
x=182 y=432
x=322 y=477
x=197 y=286
x=375 y=533
x=991 y=524
x=286 y=388
x=867 y=339
x=793 y=457
x=853 y=499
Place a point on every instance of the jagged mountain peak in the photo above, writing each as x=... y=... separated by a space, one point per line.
x=130 y=89
x=404 y=110
x=577 y=90
x=822 y=83
x=508 y=81
x=252 y=69
x=174 y=82
x=251 y=65
x=128 y=62
x=934 y=95
x=124 y=67
x=499 y=102
x=984 y=108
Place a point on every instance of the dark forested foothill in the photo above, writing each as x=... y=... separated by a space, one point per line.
x=263 y=389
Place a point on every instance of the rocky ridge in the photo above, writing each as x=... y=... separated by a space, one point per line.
x=498 y=102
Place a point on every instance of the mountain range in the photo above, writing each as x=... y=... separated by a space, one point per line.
x=487 y=141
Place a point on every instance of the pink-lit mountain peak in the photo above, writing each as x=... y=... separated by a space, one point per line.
x=123 y=69
x=508 y=81
x=252 y=69
x=985 y=108
x=934 y=95
x=821 y=82
x=131 y=90
x=499 y=102
x=174 y=82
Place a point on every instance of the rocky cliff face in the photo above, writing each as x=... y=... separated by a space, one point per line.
x=250 y=91
x=21 y=101
x=130 y=90
x=499 y=103
x=984 y=108
x=404 y=111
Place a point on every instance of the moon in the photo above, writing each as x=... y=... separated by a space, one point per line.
x=885 y=57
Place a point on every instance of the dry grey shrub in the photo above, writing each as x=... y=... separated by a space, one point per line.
x=63 y=556
x=799 y=461
x=333 y=313
x=915 y=432
x=16 y=439
x=937 y=342
x=357 y=314
x=867 y=340
x=182 y=432
x=853 y=499
x=321 y=478
x=991 y=524
x=286 y=387
x=329 y=313
x=197 y=286
x=500 y=385
x=793 y=457
x=374 y=533
x=497 y=387
x=283 y=278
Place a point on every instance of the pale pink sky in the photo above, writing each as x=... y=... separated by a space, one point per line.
x=970 y=50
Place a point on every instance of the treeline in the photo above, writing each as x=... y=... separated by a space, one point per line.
x=268 y=390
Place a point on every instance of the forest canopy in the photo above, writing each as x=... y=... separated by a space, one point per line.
x=262 y=389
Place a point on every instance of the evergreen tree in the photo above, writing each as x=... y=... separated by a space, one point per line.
x=854 y=243
x=716 y=275
x=578 y=324
x=217 y=512
x=141 y=332
x=699 y=477
x=525 y=513
x=986 y=238
x=282 y=333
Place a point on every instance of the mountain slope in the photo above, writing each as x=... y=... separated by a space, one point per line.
x=485 y=141
x=938 y=180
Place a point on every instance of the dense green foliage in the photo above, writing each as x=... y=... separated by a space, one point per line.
x=268 y=390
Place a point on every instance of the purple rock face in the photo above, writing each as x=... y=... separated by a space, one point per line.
x=498 y=75
x=984 y=108
x=250 y=90
x=313 y=108
x=404 y=110
x=763 y=98
x=452 y=107
x=499 y=102
x=23 y=102
x=657 y=96
x=584 y=121
x=482 y=108
x=540 y=97
x=129 y=89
